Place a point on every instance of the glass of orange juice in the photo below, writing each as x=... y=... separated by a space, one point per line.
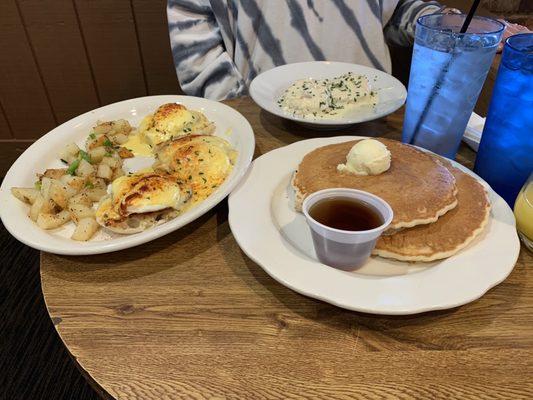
x=523 y=211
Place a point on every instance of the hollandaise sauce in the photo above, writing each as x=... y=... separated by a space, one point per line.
x=138 y=146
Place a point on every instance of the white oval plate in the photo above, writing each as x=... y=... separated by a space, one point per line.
x=43 y=154
x=267 y=88
x=277 y=238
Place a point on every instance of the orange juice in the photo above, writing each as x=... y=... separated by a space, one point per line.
x=523 y=211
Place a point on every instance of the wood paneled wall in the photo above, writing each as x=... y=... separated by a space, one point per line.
x=60 y=58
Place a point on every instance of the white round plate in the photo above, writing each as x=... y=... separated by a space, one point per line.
x=267 y=88
x=43 y=154
x=273 y=235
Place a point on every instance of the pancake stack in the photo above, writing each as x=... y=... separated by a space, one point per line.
x=438 y=209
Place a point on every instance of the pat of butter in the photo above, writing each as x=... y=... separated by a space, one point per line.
x=367 y=157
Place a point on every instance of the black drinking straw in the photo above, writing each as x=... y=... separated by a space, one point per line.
x=442 y=75
x=469 y=16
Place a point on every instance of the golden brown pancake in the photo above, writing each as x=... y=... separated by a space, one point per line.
x=452 y=232
x=416 y=186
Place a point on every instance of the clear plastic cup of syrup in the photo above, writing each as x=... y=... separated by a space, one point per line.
x=345 y=225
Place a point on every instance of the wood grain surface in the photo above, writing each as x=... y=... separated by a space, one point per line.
x=189 y=316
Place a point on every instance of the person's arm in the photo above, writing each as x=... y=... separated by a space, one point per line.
x=400 y=30
x=203 y=66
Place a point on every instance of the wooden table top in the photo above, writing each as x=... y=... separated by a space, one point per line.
x=190 y=316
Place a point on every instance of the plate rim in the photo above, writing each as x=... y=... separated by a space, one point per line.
x=333 y=122
x=127 y=241
x=343 y=304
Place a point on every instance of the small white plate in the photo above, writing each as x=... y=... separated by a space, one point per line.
x=272 y=234
x=43 y=154
x=267 y=88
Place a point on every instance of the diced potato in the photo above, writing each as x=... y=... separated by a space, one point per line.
x=98 y=141
x=80 y=198
x=111 y=161
x=120 y=138
x=84 y=169
x=86 y=228
x=51 y=221
x=95 y=194
x=68 y=158
x=70 y=149
x=40 y=205
x=45 y=187
x=79 y=211
x=64 y=155
x=75 y=182
x=104 y=171
x=125 y=153
x=59 y=193
x=27 y=195
x=97 y=154
x=102 y=128
x=112 y=128
x=117 y=173
x=36 y=207
x=122 y=126
x=55 y=173
x=69 y=191
x=98 y=182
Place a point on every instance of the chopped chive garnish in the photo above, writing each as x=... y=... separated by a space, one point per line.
x=84 y=155
x=73 y=167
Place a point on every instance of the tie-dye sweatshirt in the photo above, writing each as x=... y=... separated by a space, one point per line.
x=219 y=46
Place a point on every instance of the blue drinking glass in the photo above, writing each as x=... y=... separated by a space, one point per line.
x=448 y=69
x=505 y=155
